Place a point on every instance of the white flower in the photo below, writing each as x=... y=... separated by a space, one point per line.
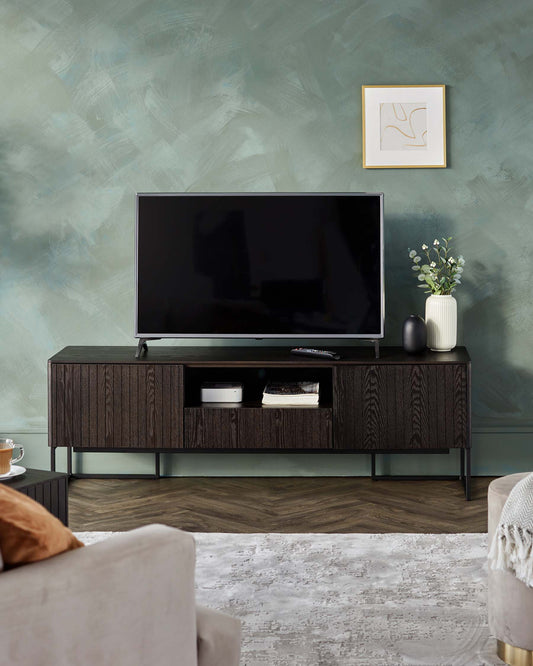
x=442 y=275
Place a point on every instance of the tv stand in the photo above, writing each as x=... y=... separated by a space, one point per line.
x=142 y=346
x=102 y=399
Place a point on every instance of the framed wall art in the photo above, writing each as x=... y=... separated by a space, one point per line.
x=404 y=127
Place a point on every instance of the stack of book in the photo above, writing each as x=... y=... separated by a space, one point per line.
x=291 y=393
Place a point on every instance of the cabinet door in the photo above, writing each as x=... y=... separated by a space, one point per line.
x=400 y=407
x=104 y=405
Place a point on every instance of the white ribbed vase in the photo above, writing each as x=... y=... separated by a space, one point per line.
x=441 y=323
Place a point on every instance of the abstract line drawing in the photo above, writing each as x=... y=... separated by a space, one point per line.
x=403 y=126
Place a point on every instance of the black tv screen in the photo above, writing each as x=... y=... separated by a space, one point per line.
x=259 y=265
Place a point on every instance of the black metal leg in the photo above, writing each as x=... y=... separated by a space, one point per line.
x=52 y=458
x=81 y=475
x=465 y=473
x=467 y=477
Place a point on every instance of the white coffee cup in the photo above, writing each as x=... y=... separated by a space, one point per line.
x=6 y=454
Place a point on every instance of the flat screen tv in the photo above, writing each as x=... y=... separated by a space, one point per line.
x=259 y=266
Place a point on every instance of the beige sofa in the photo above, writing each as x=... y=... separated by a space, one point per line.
x=510 y=602
x=126 y=601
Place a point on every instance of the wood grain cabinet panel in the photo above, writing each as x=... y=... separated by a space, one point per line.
x=413 y=406
x=207 y=428
x=104 y=405
x=285 y=428
x=257 y=428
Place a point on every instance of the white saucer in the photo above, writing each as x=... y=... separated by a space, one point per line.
x=16 y=470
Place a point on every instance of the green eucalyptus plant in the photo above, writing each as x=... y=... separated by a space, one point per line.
x=441 y=273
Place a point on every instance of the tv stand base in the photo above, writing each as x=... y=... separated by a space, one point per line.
x=142 y=346
x=80 y=475
x=465 y=476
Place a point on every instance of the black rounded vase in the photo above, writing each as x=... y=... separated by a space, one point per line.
x=414 y=334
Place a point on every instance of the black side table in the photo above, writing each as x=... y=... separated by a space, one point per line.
x=48 y=488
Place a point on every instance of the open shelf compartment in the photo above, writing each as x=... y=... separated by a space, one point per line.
x=254 y=381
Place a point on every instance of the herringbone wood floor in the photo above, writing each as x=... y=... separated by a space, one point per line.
x=326 y=505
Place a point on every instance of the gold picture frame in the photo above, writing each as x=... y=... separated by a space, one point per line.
x=404 y=127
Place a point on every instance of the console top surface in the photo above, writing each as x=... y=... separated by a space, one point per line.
x=253 y=356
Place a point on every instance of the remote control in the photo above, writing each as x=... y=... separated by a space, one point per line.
x=321 y=353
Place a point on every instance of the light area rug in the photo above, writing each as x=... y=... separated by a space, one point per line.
x=349 y=599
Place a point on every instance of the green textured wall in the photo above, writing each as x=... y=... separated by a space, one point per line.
x=100 y=100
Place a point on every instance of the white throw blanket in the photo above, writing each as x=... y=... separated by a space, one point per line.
x=512 y=547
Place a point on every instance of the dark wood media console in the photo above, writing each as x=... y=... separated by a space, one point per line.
x=104 y=399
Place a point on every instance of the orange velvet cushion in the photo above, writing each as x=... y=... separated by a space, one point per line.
x=28 y=532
